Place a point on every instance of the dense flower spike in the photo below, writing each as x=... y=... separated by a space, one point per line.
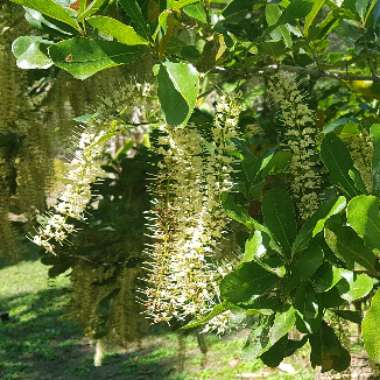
x=188 y=223
x=361 y=149
x=300 y=137
x=82 y=171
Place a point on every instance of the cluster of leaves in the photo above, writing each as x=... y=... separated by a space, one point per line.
x=292 y=271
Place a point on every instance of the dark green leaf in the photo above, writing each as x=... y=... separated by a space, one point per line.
x=354 y=316
x=247 y=280
x=347 y=245
x=327 y=351
x=82 y=57
x=178 y=86
x=295 y=10
x=133 y=10
x=326 y=278
x=279 y=216
x=338 y=161
x=282 y=324
x=283 y=348
x=217 y=309
x=315 y=224
x=307 y=262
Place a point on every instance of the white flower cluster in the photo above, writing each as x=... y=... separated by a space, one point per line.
x=300 y=137
x=81 y=172
x=361 y=149
x=188 y=222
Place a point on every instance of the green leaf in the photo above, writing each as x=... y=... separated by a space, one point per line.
x=197 y=12
x=363 y=215
x=125 y=34
x=133 y=10
x=178 y=86
x=306 y=302
x=279 y=351
x=354 y=286
x=91 y=9
x=51 y=9
x=247 y=280
x=273 y=13
x=315 y=224
x=179 y=4
x=361 y=7
x=254 y=247
x=354 y=316
x=375 y=134
x=28 y=53
x=295 y=10
x=280 y=217
x=199 y=322
x=307 y=262
x=283 y=323
x=326 y=278
x=346 y=244
x=317 y=6
x=82 y=57
x=327 y=351
x=338 y=161
x=370 y=329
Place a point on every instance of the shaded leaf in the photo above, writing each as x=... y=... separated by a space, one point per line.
x=280 y=217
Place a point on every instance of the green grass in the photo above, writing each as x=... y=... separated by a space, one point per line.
x=39 y=343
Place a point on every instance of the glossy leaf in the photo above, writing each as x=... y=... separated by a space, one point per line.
x=338 y=161
x=283 y=348
x=363 y=215
x=51 y=9
x=178 y=86
x=247 y=280
x=326 y=278
x=370 y=329
x=125 y=34
x=354 y=287
x=133 y=10
x=347 y=245
x=315 y=224
x=307 y=262
x=82 y=57
x=279 y=216
x=28 y=53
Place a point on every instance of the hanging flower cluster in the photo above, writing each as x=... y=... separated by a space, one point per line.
x=361 y=149
x=81 y=172
x=300 y=137
x=187 y=221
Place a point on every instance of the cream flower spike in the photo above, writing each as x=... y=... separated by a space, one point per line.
x=187 y=221
x=299 y=137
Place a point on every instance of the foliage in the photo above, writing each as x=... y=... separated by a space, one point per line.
x=306 y=177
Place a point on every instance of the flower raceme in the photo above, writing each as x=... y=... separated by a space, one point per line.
x=187 y=221
x=300 y=138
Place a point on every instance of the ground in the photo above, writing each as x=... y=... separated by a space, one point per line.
x=40 y=343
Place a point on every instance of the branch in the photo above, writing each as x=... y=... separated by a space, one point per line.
x=317 y=72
